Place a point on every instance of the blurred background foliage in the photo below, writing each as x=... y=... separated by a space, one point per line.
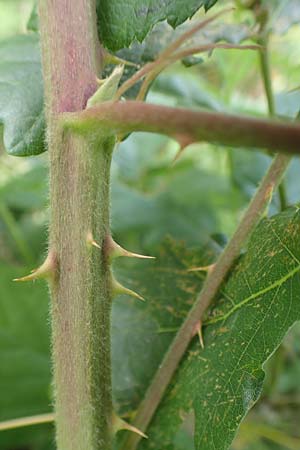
x=197 y=200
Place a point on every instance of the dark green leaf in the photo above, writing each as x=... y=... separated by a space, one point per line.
x=21 y=96
x=122 y=22
x=259 y=304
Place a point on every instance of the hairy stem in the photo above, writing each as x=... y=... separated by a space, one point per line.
x=210 y=288
x=194 y=126
x=81 y=290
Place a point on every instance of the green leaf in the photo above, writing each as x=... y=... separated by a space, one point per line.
x=25 y=374
x=152 y=199
x=27 y=192
x=143 y=331
x=123 y=22
x=163 y=34
x=21 y=96
x=259 y=304
x=288 y=103
x=283 y=14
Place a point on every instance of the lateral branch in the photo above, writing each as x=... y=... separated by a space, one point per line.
x=194 y=126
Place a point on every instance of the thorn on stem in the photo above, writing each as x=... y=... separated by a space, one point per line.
x=120 y=424
x=113 y=59
x=119 y=289
x=45 y=271
x=184 y=141
x=198 y=331
x=91 y=241
x=114 y=250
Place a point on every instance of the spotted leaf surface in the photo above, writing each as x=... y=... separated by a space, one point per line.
x=258 y=305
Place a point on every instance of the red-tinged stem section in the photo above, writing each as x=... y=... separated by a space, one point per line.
x=226 y=129
x=210 y=288
x=79 y=202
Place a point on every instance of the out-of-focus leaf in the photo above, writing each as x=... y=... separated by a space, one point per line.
x=27 y=191
x=153 y=199
x=283 y=14
x=288 y=103
x=229 y=32
x=123 y=22
x=186 y=91
x=244 y=327
x=163 y=34
x=25 y=374
x=21 y=96
x=247 y=169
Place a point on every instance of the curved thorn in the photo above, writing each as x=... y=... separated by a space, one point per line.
x=114 y=250
x=198 y=331
x=127 y=426
x=113 y=59
x=46 y=270
x=120 y=424
x=91 y=241
x=119 y=289
x=184 y=141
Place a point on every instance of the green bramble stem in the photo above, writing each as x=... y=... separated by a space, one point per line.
x=81 y=291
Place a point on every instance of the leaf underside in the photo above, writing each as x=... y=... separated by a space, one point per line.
x=258 y=305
